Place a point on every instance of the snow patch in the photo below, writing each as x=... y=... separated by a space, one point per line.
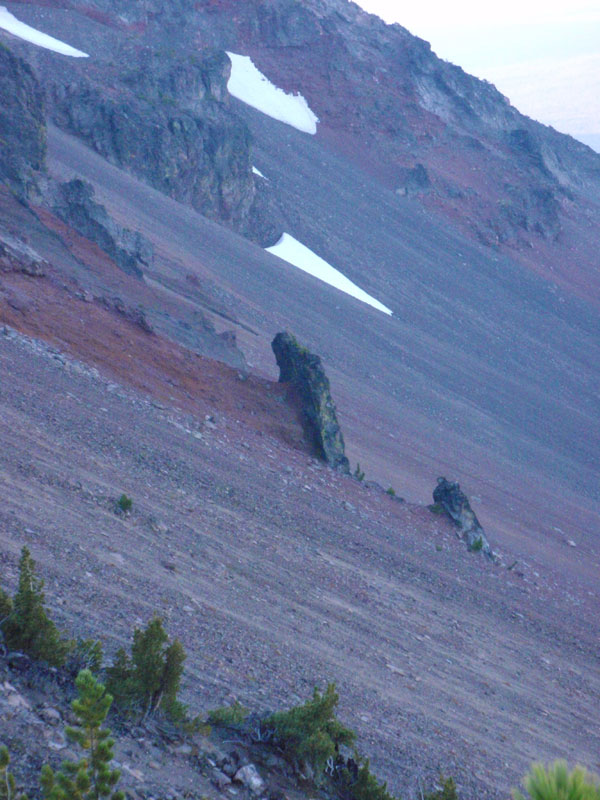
x=250 y=86
x=256 y=171
x=11 y=24
x=297 y=254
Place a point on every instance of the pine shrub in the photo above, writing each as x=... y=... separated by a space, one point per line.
x=8 y=788
x=28 y=626
x=124 y=504
x=91 y=777
x=149 y=679
x=228 y=716
x=85 y=654
x=556 y=782
x=310 y=733
x=447 y=792
x=365 y=786
x=6 y=606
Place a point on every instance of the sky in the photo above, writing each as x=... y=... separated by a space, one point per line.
x=544 y=55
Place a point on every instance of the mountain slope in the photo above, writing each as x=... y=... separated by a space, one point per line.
x=477 y=227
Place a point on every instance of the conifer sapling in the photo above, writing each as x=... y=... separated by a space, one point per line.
x=91 y=777
x=28 y=626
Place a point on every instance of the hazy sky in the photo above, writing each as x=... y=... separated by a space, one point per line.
x=545 y=56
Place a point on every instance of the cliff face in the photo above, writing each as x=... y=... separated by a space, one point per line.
x=168 y=122
x=22 y=123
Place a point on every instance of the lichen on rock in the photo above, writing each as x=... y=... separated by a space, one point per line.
x=305 y=372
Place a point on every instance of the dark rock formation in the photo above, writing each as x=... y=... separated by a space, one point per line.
x=74 y=203
x=305 y=372
x=22 y=124
x=456 y=504
x=413 y=181
x=170 y=123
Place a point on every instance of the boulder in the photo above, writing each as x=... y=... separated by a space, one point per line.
x=304 y=371
x=248 y=776
x=456 y=504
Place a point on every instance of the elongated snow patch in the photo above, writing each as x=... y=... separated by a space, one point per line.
x=253 y=88
x=11 y=24
x=297 y=254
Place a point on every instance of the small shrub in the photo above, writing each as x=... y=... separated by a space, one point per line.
x=150 y=679
x=27 y=626
x=228 y=716
x=447 y=792
x=391 y=492
x=85 y=654
x=124 y=504
x=556 y=782
x=310 y=733
x=435 y=508
x=91 y=777
x=8 y=786
x=477 y=545
x=358 y=473
x=365 y=786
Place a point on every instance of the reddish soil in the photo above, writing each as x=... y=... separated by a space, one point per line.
x=163 y=370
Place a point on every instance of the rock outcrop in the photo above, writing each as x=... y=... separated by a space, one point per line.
x=304 y=371
x=74 y=203
x=170 y=123
x=17 y=256
x=456 y=504
x=22 y=124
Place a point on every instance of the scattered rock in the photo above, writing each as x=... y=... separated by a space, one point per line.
x=50 y=715
x=18 y=662
x=17 y=701
x=248 y=776
x=304 y=371
x=220 y=779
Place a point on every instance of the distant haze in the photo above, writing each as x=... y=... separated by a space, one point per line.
x=544 y=56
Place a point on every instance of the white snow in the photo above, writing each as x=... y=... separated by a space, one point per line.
x=11 y=24
x=253 y=88
x=297 y=254
x=256 y=171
